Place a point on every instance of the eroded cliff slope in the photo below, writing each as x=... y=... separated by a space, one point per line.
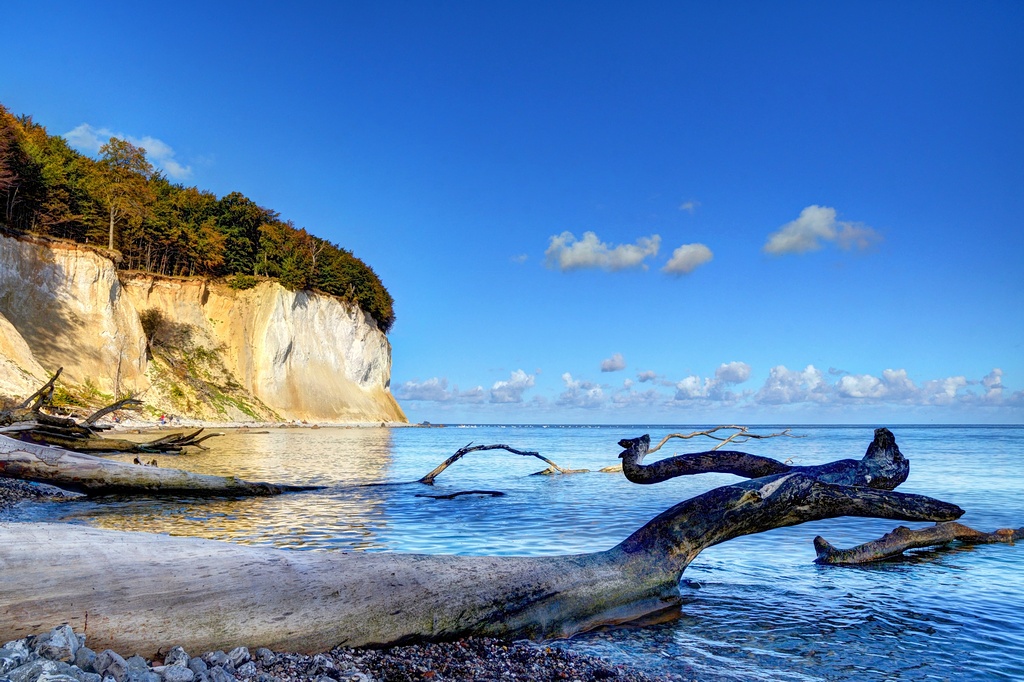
x=189 y=347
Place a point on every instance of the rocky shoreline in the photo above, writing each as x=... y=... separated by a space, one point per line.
x=61 y=655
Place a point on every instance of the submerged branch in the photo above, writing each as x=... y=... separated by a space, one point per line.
x=902 y=538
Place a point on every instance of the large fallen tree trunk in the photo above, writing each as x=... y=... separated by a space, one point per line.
x=97 y=476
x=140 y=592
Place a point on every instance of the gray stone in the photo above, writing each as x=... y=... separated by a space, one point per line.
x=137 y=662
x=266 y=656
x=13 y=654
x=177 y=673
x=176 y=656
x=197 y=665
x=33 y=670
x=85 y=658
x=238 y=656
x=219 y=674
x=87 y=677
x=111 y=664
x=213 y=658
x=59 y=644
x=247 y=670
x=137 y=675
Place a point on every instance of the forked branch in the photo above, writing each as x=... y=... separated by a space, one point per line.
x=742 y=435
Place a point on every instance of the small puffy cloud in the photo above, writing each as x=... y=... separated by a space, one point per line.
x=579 y=393
x=646 y=375
x=993 y=383
x=816 y=226
x=689 y=206
x=687 y=258
x=566 y=253
x=436 y=390
x=511 y=391
x=732 y=372
x=88 y=139
x=615 y=363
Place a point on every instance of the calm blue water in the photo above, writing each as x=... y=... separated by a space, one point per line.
x=755 y=608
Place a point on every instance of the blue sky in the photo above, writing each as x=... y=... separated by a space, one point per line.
x=595 y=212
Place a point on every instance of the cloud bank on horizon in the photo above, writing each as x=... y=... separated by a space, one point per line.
x=783 y=387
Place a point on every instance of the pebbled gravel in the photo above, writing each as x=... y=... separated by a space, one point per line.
x=61 y=655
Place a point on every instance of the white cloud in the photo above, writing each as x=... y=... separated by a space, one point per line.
x=716 y=389
x=785 y=386
x=511 y=391
x=687 y=258
x=566 y=253
x=520 y=258
x=816 y=226
x=583 y=394
x=732 y=372
x=689 y=206
x=993 y=383
x=436 y=390
x=87 y=139
x=613 y=364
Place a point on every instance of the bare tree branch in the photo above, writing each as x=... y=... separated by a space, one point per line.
x=459 y=454
x=902 y=538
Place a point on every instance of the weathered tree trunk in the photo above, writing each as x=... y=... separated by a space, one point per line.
x=893 y=544
x=97 y=476
x=139 y=592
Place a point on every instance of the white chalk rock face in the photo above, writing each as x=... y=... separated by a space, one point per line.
x=306 y=356
x=303 y=355
x=67 y=305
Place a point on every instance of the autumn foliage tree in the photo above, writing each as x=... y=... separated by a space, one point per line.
x=48 y=188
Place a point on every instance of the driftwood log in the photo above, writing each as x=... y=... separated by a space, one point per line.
x=900 y=540
x=92 y=475
x=140 y=592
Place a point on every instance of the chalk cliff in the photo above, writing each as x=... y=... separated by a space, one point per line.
x=212 y=352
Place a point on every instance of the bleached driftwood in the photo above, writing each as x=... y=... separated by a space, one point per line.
x=139 y=592
x=98 y=476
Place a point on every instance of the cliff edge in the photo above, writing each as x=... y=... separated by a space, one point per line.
x=187 y=346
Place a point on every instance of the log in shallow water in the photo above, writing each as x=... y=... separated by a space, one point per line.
x=140 y=592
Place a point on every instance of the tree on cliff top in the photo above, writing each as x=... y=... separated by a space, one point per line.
x=123 y=183
x=46 y=187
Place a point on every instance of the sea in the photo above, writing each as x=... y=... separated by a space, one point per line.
x=754 y=608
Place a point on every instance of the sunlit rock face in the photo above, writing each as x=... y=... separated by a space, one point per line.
x=69 y=308
x=261 y=353
x=304 y=355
